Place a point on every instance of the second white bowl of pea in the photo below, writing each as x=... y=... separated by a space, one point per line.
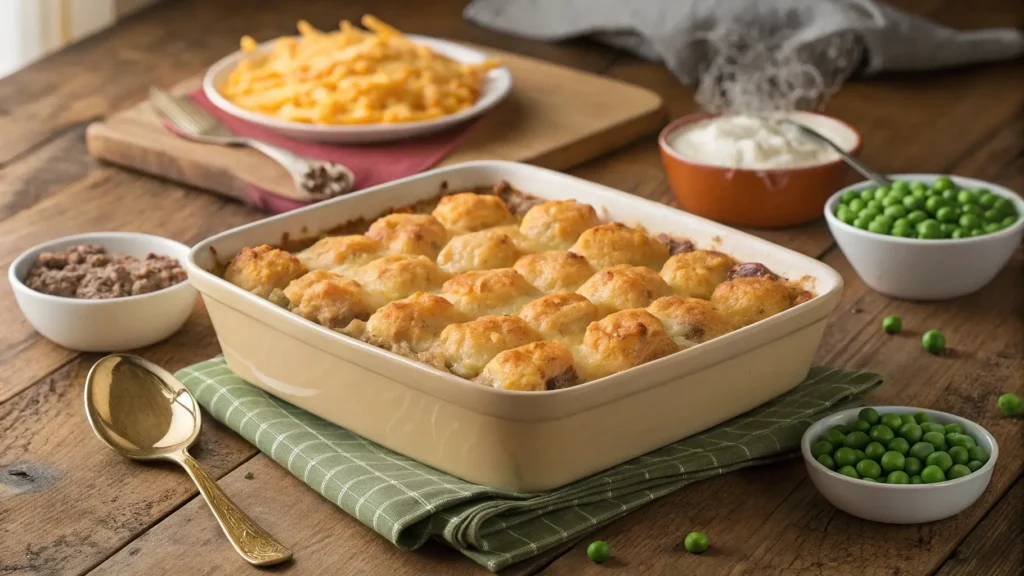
x=872 y=485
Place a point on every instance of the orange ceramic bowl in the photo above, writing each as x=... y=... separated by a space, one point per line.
x=763 y=198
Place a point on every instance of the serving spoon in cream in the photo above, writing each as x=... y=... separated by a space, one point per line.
x=142 y=411
x=854 y=163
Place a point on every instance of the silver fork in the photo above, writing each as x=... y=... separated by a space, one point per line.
x=857 y=165
x=314 y=179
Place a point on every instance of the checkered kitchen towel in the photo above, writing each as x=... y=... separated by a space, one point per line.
x=408 y=502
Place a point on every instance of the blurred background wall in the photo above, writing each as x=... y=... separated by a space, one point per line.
x=30 y=29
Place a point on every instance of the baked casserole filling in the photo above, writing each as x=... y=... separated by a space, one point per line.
x=514 y=292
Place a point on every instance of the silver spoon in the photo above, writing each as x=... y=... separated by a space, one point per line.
x=857 y=165
x=143 y=412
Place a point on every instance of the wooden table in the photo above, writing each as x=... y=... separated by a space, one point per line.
x=70 y=506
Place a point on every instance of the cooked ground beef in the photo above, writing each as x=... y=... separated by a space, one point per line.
x=87 y=271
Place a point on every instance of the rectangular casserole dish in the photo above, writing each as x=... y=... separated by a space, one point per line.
x=515 y=441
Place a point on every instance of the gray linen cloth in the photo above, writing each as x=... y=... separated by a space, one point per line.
x=676 y=31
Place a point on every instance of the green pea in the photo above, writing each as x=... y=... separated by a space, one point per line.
x=904 y=232
x=870 y=213
x=991 y=227
x=899 y=445
x=973 y=210
x=882 y=192
x=842 y=428
x=827 y=461
x=959 y=455
x=819 y=448
x=912 y=465
x=947 y=229
x=968 y=220
x=881 y=433
x=976 y=232
x=947 y=214
x=874 y=451
x=960 y=233
x=941 y=459
x=914 y=186
x=696 y=542
x=879 y=227
x=892 y=324
x=833 y=437
x=861 y=425
x=860 y=455
x=856 y=440
x=933 y=341
x=921 y=417
x=915 y=217
x=867 y=195
x=1001 y=204
x=978 y=453
x=929 y=229
x=599 y=551
x=869 y=415
x=849 y=471
x=916 y=479
x=954 y=427
x=949 y=195
x=844 y=215
x=900 y=185
x=907 y=419
x=992 y=215
x=872 y=480
x=933 y=203
x=845 y=457
x=849 y=196
x=933 y=427
x=912 y=203
x=897 y=477
x=974 y=465
x=869 y=469
x=862 y=223
x=876 y=205
x=1010 y=404
x=895 y=211
x=891 y=200
x=965 y=197
x=856 y=205
x=921 y=450
x=943 y=183
x=957 y=439
x=932 y=474
x=935 y=439
x=958 y=471
x=892 y=461
x=893 y=421
x=1008 y=221
x=911 y=432
x=987 y=199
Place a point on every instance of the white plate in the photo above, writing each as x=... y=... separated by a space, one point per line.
x=497 y=86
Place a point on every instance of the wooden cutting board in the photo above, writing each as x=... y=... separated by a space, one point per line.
x=554 y=117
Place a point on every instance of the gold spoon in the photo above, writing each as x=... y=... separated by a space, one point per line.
x=143 y=412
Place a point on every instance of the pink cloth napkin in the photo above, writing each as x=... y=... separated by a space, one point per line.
x=372 y=164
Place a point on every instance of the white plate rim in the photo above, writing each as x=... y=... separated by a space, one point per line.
x=497 y=87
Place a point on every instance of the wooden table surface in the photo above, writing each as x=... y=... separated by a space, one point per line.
x=70 y=506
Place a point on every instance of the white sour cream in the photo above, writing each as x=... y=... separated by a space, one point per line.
x=738 y=141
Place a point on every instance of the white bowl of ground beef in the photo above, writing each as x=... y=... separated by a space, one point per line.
x=107 y=304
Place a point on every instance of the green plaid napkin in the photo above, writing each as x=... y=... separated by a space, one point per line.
x=408 y=502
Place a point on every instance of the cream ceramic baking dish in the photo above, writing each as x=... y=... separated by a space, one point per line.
x=515 y=441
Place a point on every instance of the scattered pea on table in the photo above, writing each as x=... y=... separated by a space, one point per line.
x=696 y=542
x=1011 y=405
x=892 y=324
x=933 y=342
x=599 y=551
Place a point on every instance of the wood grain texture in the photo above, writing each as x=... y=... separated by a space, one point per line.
x=66 y=501
x=555 y=117
x=994 y=547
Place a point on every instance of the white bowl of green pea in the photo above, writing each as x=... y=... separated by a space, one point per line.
x=928 y=236
x=869 y=466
